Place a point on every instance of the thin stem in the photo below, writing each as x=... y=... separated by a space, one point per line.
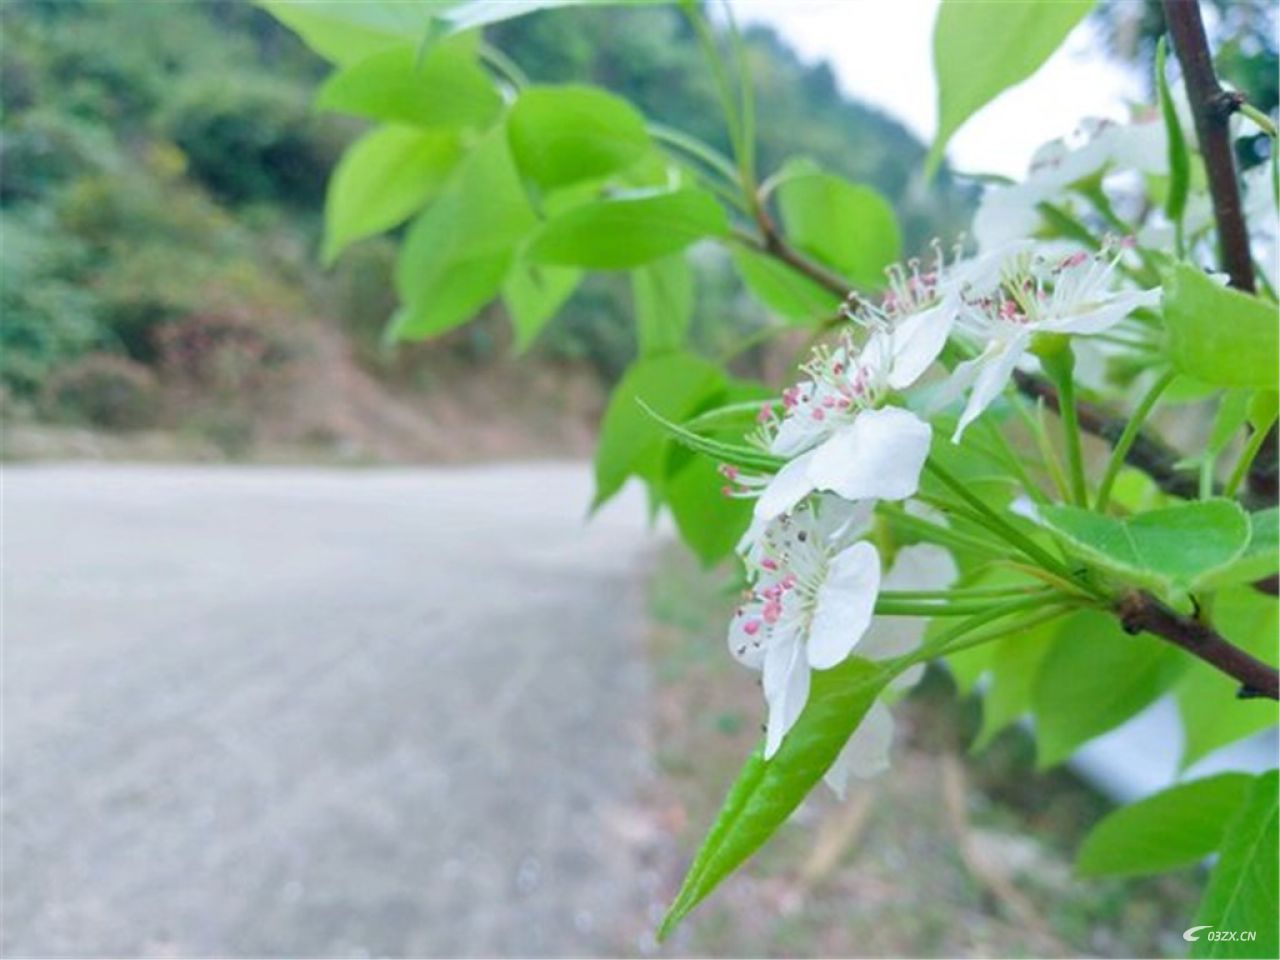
x=1130 y=434
x=694 y=147
x=893 y=608
x=1061 y=369
x=940 y=643
x=507 y=68
x=728 y=103
x=936 y=533
x=1003 y=630
x=996 y=523
x=963 y=593
x=1251 y=450
x=773 y=245
x=1260 y=119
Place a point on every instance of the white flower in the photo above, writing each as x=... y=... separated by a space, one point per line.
x=1011 y=212
x=815 y=586
x=1071 y=295
x=919 y=567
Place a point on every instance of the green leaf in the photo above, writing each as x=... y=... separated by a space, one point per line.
x=1261 y=557
x=710 y=522
x=846 y=225
x=1179 y=161
x=564 y=135
x=1095 y=677
x=1242 y=893
x=629 y=231
x=1173 y=547
x=783 y=290
x=1177 y=827
x=982 y=49
x=457 y=253
x=347 y=32
x=767 y=791
x=663 y=294
x=1014 y=665
x=382 y=179
x=533 y=295
x=469 y=14
x=1219 y=335
x=448 y=88
x=1212 y=715
x=631 y=441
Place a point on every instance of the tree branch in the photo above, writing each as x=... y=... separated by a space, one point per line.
x=1140 y=611
x=1211 y=107
x=1149 y=453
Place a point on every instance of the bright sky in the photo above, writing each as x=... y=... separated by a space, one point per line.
x=881 y=51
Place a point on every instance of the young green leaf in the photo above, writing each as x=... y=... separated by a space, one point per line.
x=533 y=295
x=783 y=290
x=663 y=296
x=1177 y=827
x=1175 y=201
x=448 y=88
x=1208 y=324
x=1174 y=547
x=982 y=49
x=1261 y=557
x=344 y=33
x=631 y=441
x=383 y=179
x=563 y=135
x=456 y=254
x=1013 y=665
x=629 y=231
x=766 y=792
x=1095 y=677
x=848 y=226
x=1243 y=891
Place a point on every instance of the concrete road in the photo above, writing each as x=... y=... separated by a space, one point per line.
x=269 y=712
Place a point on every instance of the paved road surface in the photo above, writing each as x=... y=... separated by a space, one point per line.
x=265 y=712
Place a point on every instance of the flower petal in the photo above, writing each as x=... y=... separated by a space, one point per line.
x=920 y=567
x=747 y=635
x=918 y=340
x=844 y=605
x=879 y=456
x=994 y=368
x=867 y=752
x=1102 y=317
x=788 y=487
x=786 y=683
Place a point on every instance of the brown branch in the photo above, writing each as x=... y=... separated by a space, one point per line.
x=1140 y=611
x=1149 y=453
x=771 y=243
x=1211 y=107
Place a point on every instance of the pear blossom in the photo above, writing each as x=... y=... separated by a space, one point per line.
x=814 y=592
x=1010 y=212
x=919 y=567
x=1068 y=295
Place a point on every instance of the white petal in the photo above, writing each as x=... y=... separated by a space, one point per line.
x=746 y=646
x=920 y=567
x=1103 y=317
x=786 y=682
x=994 y=369
x=844 y=605
x=788 y=487
x=918 y=340
x=867 y=752
x=879 y=456
x=797 y=433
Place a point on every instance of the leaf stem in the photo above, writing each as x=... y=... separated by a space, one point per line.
x=1131 y=429
x=1257 y=440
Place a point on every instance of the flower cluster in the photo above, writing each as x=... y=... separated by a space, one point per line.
x=850 y=438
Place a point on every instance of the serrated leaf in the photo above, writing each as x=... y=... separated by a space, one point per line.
x=783 y=290
x=1093 y=678
x=982 y=49
x=1176 y=546
x=1243 y=892
x=848 y=226
x=628 y=231
x=448 y=88
x=533 y=295
x=663 y=295
x=1177 y=827
x=631 y=441
x=1212 y=715
x=567 y=134
x=767 y=791
x=383 y=179
x=1219 y=335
